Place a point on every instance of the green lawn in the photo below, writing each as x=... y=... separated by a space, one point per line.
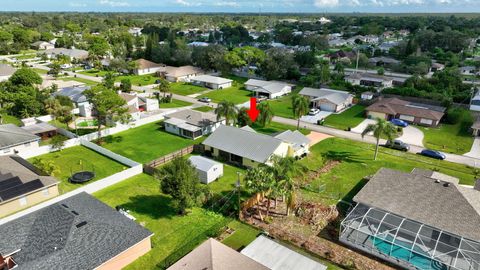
x=244 y=234
x=81 y=80
x=154 y=210
x=349 y=118
x=282 y=106
x=10 y=119
x=203 y=109
x=146 y=143
x=226 y=183
x=94 y=72
x=176 y=103
x=455 y=139
x=40 y=71
x=345 y=180
x=79 y=158
x=186 y=89
x=26 y=56
x=138 y=80
x=275 y=127
x=235 y=94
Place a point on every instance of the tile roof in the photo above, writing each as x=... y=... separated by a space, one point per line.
x=54 y=237
x=244 y=143
x=11 y=135
x=427 y=198
x=213 y=255
x=397 y=106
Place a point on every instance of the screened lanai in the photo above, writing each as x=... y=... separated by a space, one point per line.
x=406 y=242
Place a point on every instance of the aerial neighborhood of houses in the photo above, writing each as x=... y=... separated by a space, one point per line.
x=239 y=141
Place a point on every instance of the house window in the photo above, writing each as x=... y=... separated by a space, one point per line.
x=45 y=192
x=23 y=201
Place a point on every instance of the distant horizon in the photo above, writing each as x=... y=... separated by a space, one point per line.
x=248 y=6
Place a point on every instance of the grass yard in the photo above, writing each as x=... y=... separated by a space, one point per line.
x=186 y=89
x=176 y=103
x=455 y=139
x=349 y=118
x=146 y=143
x=204 y=109
x=94 y=72
x=138 y=80
x=244 y=234
x=40 y=71
x=345 y=180
x=10 y=119
x=275 y=127
x=282 y=106
x=235 y=94
x=227 y=182
x=78 y=158
x=81 y=80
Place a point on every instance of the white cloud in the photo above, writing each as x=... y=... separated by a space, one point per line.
x=76 y=4
x=188 y=3
x=113 y=3
x=326 y=3
x=226 y=4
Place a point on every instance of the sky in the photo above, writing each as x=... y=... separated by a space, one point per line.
x=292 y=6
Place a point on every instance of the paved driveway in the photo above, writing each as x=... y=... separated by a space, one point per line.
x=313 y=119
x=412 y=135
x=475 y=151
x=361 y=127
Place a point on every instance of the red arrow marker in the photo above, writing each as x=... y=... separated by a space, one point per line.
x=253 y=112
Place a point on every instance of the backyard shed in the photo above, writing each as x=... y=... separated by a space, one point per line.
x=208 y=170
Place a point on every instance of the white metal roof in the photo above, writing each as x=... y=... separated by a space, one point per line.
x=202 y=163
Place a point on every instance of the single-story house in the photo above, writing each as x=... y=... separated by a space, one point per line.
x=338 y=42
x=212 y=255
x=6 y=71
x=298 y=142
x=421 y=114
x=180 y=74
x=79 y=232
x=327 y=99
x=437 y=67
x=208 y=170
x=144 y=67
x=14 y=140
x=383 y=61
x=367 y=95
x=387 y=46
x=269 y=89
x=475 y=102
x=82 y=106
x=368 y=79
x=341 y=56
x=60 y=84
x=192 y=124
x=42 y=130
x=135 y=31
x=22 y=185
x=277 y=256
x=42 y=45
x=467 y=70
x=245 y=147
x=72 y=53
x=212 y=82
x=417 y=220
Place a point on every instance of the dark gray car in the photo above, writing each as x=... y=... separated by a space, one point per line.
x=398 y=145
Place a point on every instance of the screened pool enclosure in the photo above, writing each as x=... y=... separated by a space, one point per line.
x=407 y=243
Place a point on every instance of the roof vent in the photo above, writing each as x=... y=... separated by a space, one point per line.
x=437 y=181
x=75 y=213
x=64 y=205
x=446 y=184
x=81 y=224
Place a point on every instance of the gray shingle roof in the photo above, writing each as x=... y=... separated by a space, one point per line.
x=74 y=53
x=271 y=87
x=74 y=93
x=211 y=79
x=11 y=135
x=49 y=238
x=6 y=70
x=196 y=118
x=334 y=96
x=452 y=208
x=244 y=143
x=39 y=128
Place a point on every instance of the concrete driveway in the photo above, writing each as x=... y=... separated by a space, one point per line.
x=412 y=135
x=475 y=151
x=313 y=119
x=361 y=127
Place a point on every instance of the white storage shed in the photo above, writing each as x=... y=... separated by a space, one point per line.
x=208 y=170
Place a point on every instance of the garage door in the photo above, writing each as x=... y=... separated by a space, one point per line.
x=407 y=117
x=327 y=107
x=426 y=121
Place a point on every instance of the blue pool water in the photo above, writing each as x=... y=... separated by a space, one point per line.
x=402 y=252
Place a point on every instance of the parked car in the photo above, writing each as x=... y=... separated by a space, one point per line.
x=399 y=123
x=433 y=154
x=205 y=99
x=397 y=145
x=314 y=111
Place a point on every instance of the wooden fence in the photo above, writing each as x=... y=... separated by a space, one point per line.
x=149 y=168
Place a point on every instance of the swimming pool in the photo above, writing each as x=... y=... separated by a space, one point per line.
x=402 y=252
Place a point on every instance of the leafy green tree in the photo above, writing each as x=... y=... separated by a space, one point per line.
x=163 y=87
x=266 y=114
x=228 y=110
x=300 y=107
x=243 y=119
x=26 y=77
x=98 y=47
x=109 y=106
x=55 y=69
x=179 y=179
x=47 y=166
x=126 y=85
x=57 y=142
x=381 y=128
x=109 y=80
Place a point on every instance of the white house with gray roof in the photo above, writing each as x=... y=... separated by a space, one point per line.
x=212 y=82
x=72 y=53
x=14 y=140
x=269 y=89
x=417 y=220
x=245 y=147
x=6 y=71
x=327 y=99
x=192 y=124
x=75 y=93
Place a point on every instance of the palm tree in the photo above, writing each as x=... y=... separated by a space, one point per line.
x=228 y=110
x=164 y=86
x=300 y=107
x=259 y=181
x=266 y=113
x=382 y=127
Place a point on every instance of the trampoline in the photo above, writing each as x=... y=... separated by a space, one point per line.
x=82 y=177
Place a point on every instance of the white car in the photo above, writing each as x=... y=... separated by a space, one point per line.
x=313 y=111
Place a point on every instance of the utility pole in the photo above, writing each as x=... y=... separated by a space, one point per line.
x=358 y=58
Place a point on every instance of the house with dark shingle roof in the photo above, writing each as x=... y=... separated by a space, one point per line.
x=418 y=220
x=14 y=139
x=421 y=114
x=79 y=232
x=22 y=185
